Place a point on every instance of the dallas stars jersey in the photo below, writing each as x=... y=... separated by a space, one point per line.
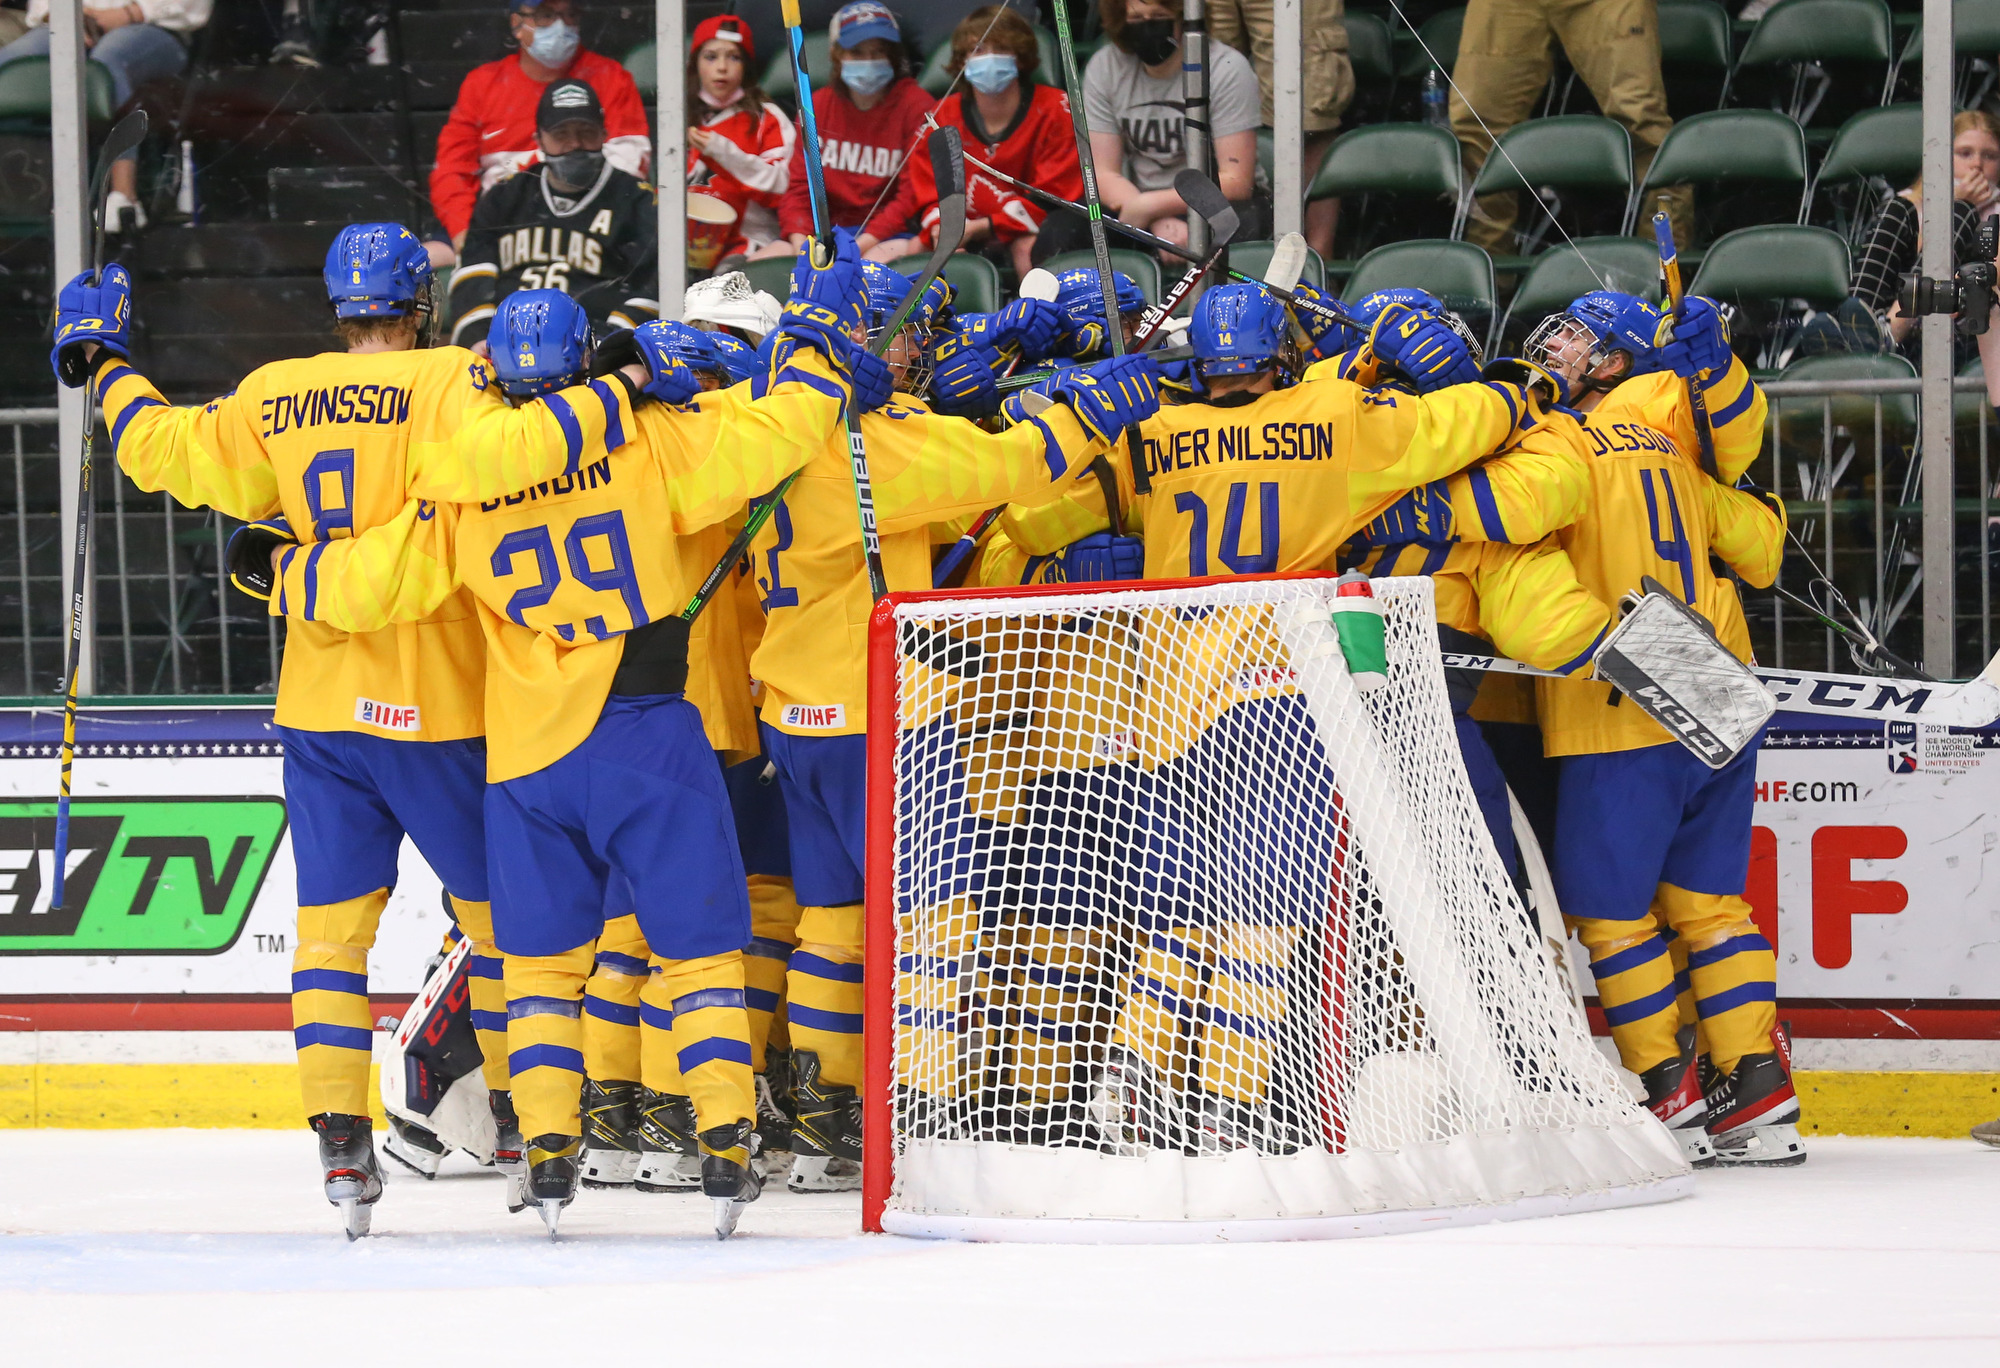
x=1653 y=512
x=926 y=468
x=337 y=444
x=601 y=249
x=565 y=568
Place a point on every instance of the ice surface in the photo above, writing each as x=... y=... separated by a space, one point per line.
x=214 y=1248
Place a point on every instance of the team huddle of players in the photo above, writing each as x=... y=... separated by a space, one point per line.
x=642 y=784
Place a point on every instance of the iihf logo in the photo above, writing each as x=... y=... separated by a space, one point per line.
x=1902 y=746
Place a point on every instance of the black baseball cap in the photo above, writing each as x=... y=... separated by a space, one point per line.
x=566 y=101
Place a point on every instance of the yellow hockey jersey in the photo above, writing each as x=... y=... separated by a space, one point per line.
x=563 y=569
x=338 y=444
x=1737 y=412
x=925 y=468
x=1653 y=512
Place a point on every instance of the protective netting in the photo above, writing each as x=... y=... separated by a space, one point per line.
x=1192 y=934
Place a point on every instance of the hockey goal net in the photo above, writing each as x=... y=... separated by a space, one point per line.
x=1175 y=932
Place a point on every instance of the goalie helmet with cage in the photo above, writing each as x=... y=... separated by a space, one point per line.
x=1582 y=344
x=380 y=270
x=887 y=289
x=1423 y=301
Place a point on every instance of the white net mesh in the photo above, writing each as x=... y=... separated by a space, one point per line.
x=1194 y=936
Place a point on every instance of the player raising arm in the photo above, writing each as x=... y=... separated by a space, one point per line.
x=381 y=729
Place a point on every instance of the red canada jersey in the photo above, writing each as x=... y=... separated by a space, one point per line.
x=749 y=165
x=861 y=153
x=491 y=131
x=1039 y=147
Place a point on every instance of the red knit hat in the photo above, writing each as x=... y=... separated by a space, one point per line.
x=729 y=27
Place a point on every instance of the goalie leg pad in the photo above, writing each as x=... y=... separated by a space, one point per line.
x=545 y=1039
x=489 y=991
x=1732 y=971
x=1635 y=984
x=331 y=1023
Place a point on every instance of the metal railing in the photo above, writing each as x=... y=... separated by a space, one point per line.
x=168 y=620
x=1841 y=453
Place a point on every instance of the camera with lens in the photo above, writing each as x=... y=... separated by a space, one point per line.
x=1968 y=294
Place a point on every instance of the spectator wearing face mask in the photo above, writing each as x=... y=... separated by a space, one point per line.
x=739 y=144
x=491 y=131
x=871 y=118
x=1011 y=123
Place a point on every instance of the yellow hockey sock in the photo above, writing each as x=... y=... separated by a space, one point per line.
x=1246 y=1003
x=1165 y=994
x=823 y=990
x=931 y=978
x=1635 y=986
x=611 y=1003
x=658 y=1069
x=331 y=1024
x=1732 y=969
x=545 y=1039
x=711 y=1036
x=489 y=990
x=1051 y=966
x=774 y=934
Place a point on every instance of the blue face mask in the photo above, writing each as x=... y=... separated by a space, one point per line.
x=554 y=44
x=991 y=74
x=867 y=77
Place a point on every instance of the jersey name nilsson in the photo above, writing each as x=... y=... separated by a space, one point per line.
x=524 y=246
x=340 y=404
x=597 y=473
x=1194 y=447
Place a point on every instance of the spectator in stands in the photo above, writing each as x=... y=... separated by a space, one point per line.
x=1326 y=80
x=739 y=143
x=13 y=20
x=1014 y=125
x=1506 y=54
x=1132 y=94
x=143 y=41
x=871 y=119
x=491 y=130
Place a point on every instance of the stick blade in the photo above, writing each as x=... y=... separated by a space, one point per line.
x=1040 y=284
x=1203 y=196
x=125 y=135
x=1288 y=263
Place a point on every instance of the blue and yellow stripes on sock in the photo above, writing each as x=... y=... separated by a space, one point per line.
x=332 y=1027
x=545 y=1038
x=823 y=990
x=611 y=1045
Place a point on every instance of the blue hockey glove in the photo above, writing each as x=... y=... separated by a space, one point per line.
x=1423 y=516
x=1421 y=347
x=90 y=311
x=248 y=555
x=962 y=378
x=674 y=381
x=1033 y=326
x=1697 y=346
x=1011 y=408
x=873 y=381
x=1101 y=556
x=1110 y=396
x=1330 y=336
x=827 y=306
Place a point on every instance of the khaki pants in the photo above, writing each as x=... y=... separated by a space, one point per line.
x=1327 y=77
x=1506 y=55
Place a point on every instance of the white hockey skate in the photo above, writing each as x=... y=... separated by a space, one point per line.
x=823 y=1173
x=1127 y=1106
x=415 y=1148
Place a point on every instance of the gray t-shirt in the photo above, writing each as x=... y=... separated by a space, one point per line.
x=1149 y=114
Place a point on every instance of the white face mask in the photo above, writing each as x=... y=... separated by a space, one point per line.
x=866 y=77
x=554 y=44
x=992 y=73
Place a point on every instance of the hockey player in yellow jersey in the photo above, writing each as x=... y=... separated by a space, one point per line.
x=382 y=729
x=1651 y=845
x=598 y=767
x=812 y=661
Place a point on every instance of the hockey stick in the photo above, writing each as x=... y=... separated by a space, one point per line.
x=948 y=165
x=1670 y=286
x=125 y=135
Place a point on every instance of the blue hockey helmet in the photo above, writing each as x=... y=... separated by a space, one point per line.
x=1238 y=329
x=694 y=347
x=888 y=288
x=1423 y=301
x=1578 y=342
x=1080 y=294
x=539 y=341
x=375 y=270
x=738 y=357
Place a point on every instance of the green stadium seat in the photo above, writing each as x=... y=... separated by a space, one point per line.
x=1459 y=273
x=974 y=280
x=936 y=79
x=1781 y=261
x=1849 y=410
x=773 y=275
x=1144 y=271
x=1370 y=50
x=1886 y=143
x=1732 y=146
x=1390 y=159
x=1562 y=273
x=1566 y=152
x=1439 y=35
x=1801 y=31
x=1694 y=33
x=643 y=63
x=1975 y=27
x=24 y=90
x=777 y=82
x=1254 y=258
